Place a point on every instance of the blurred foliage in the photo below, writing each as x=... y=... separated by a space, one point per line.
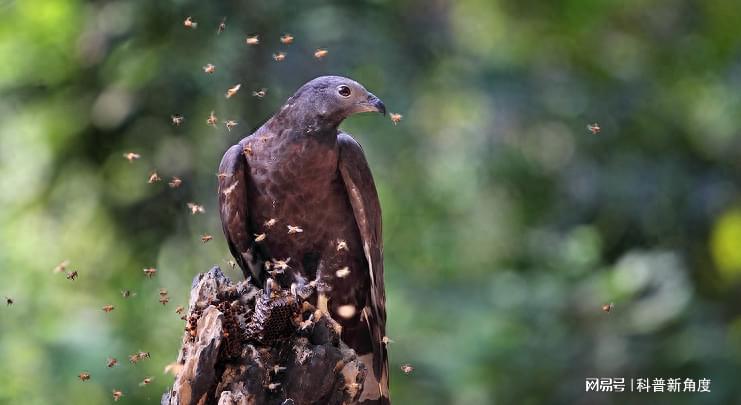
x=507 y=224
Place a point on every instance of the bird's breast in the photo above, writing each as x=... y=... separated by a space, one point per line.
x=294 y=168
x=298 y=185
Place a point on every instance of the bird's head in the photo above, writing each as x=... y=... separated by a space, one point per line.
x=327 y=100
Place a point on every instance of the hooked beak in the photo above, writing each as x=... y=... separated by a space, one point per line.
x=371 y=104
x=377 y=104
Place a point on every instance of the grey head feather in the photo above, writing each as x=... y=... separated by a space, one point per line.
x=323 y=103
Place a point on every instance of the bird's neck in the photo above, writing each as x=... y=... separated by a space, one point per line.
x=291 y=136
x=308 y=121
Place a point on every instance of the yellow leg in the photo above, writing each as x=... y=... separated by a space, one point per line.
x=322 y=303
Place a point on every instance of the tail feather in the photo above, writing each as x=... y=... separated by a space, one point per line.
x=376 y=386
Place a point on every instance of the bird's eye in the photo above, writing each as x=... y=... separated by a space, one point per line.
x=344 y=91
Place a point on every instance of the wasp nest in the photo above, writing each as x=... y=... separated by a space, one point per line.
x=242 y=345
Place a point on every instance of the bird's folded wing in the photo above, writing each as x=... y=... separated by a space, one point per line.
x=361 y=190
x=234 y=212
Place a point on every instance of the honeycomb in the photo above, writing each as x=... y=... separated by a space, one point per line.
x=273 y=318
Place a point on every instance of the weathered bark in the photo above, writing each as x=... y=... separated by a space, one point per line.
x=243 y=347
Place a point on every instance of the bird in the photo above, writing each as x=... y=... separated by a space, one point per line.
x=300 y=171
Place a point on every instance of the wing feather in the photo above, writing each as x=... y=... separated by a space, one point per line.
x=233 y=172
x=361 y=190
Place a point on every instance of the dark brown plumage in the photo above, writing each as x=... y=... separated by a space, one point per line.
x=298 y=205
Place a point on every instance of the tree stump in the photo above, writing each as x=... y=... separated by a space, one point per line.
x=243 y=346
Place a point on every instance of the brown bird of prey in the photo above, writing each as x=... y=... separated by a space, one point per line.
x=299 y=208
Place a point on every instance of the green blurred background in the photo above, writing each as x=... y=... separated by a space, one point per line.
x=507 y=224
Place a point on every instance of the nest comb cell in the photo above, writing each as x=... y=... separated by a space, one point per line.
x=273 y=318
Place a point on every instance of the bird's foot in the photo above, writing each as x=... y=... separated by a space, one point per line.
x=322 y=303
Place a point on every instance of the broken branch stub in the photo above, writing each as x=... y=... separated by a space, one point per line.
x=243 y=347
